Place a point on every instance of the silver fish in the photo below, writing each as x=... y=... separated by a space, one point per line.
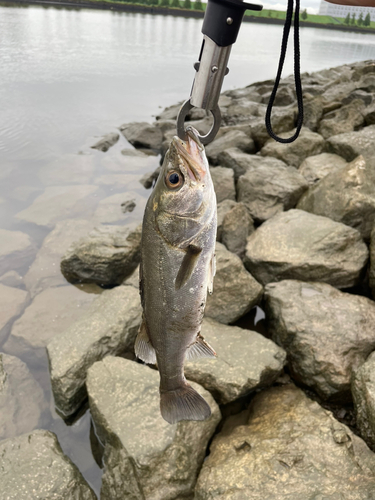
x=177 y=269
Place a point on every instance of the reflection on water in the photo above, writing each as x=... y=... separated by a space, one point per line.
x=69 y=76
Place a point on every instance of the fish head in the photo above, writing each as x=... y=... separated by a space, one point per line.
x=184 y=197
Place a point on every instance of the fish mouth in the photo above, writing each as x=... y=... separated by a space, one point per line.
x=190 y=151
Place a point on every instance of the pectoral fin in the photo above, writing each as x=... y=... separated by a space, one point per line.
x=199 y=349
x=187 y=266
x=144 y=350
x=211 y=274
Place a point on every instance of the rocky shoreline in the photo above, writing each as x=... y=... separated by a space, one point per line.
x=291 y=317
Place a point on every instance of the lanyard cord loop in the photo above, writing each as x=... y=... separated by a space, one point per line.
x=297 y=73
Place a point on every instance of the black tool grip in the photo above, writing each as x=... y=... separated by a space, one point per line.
x=218 y=12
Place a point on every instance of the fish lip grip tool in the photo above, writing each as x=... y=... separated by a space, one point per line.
x=220 y=28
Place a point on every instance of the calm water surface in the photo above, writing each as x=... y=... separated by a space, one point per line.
x=69 y=76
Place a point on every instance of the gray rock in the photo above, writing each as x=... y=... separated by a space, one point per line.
x=345 y=195
x=326 y=333
x=148 y=179
x=369 y=114
x=299 y=245
x=345 y=119
x=50 y=313
x=286 y=447
x=133 y=279
x=11 y=278
x=68 y=169
x=241 y=162
x=34 y=468
x=316 y=167
x=363 y=391
x=364 y=96
x=283 y=120
x=223 y=179
x=45 y=270
x=109 y=326
x=143 y=135
x=236 y=227
x=16 y=249
x=106 y=142
x=170 y=113
x=353 y=144
x=105 y=256
x=222 y=209
x=232 y=139
x=339 y=91
x=245 y=361
x=60 y=202
x=312 y=111
x=235 y=290
x=145 y=457
x=269 y=189
x=110 y=209
x=372 y=262
x=12 y=302
x=240 y=110
x=21 y=398
x=308 y=144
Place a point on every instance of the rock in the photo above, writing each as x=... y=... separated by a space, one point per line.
x=34 y=468
x=143 y=135
x=105 y=256
x=345 y=119
x=60 y=202
x=236 y=227
x=372 y=262
x=106 y=142
x=353 y=144
x=312 y=111
x=345 y=195
x=308 y=144
x=170 y=113
x=110 y=209
x=232 y=139
x=134 y=161
x=269 y=189
x=223 y=179
x=12 y=302
x=327 y=334
x=109 y=326
x=299 y=245
x=50 y=313
x=338 y=91
x=365 y=97
x=316 y=167
x=240 y=110
x=245 y=361
x=148 y=179
x=235 y=290
x=133 y=279
x=68 y=169
x=145 y=457
x=24 y=193
x=11 y=278
x=241 y=162
x=222 y=209
x=363 y=391
x=16 y=249
x=21 y=399
x=45 y=270
x=283 y=121
x=369 y=114
x=286 y=447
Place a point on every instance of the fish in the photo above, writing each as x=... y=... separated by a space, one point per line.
x=176 y=272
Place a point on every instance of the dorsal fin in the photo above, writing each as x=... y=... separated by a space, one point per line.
x=187 y=266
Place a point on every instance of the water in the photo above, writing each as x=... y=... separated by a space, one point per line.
x=69 y=76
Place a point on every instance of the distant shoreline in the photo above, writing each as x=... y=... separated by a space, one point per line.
x=165 y=11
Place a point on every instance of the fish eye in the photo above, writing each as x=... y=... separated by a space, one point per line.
x=174 y=179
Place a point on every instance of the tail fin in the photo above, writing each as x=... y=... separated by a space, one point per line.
x=183 y=404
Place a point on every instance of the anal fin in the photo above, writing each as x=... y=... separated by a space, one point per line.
x=199 y=349
x=144 y=350
x=187 y=266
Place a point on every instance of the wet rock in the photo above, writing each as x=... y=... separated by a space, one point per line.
x=236 y=227
x=327 y=334
x=60 y=202
x=308 y=144
x=353 y=144
x=232 y=139
x=226 y=304
x=11 y=278
x=222 y=209
x=241 y=162
x=286 y=446
x=145 y=457
x=148 y=179
x=109 y=326
x=223 y=179
x=307 y=247
x=316 y=167
x=110 y=209
x=16 y=249
x=363 y=391
x=34 y=467
x=50 y=314
x=345 y=195
x=268 y=189
x=68 y=169
x=45 y=270
x=21 y=399
x=105 y=256
x=143 y=135
x=245 y=361
x=12 y=302
x=106 y=142
x=345 y=119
